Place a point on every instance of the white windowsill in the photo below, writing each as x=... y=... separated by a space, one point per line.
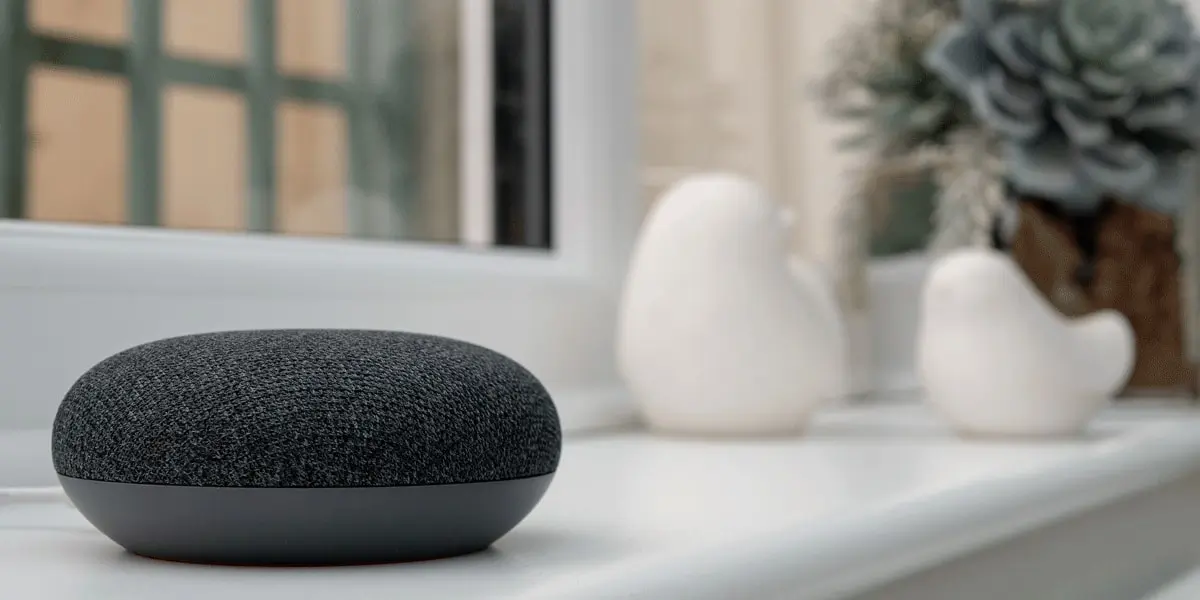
x=871 y=494
x=1186 y=587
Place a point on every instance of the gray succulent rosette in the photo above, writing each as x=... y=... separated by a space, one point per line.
x=1092 y=99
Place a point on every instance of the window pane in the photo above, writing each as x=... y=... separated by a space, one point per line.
x=299 y=117
x=94 y=20
x=208 y=29
x=203 y=160
x=77 y=128
x=312 y=37
x=312 y=169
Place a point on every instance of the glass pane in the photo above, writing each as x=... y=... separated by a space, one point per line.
x=203 y=160
x=208 y=29
x=312 y=37
x=77 y=128
x=94 y=20
x=353 y=118
x=312 y=169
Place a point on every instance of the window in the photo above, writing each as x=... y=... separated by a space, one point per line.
x=464 y=168
x=305 y=117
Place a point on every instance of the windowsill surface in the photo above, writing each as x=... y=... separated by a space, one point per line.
x=1187 y=587
x=870 y=494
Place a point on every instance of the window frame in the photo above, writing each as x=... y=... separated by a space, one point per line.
x=72 y=294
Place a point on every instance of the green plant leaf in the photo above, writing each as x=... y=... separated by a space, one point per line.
x=891 y=78
x=1093 y=29
x=1014 y=96
x=1099 y=80
x=1055 y=53
x=1064 y=88
x=979 y=13
x=930 y=114
x=1114 y=106
x=1136 y=54
x=1160 y=113
x=1126 y=169
x=958 y=56
x=1044 y=168
x=1173 y=187
x=1168 y=71
x=1010 y=125
x=858 y=141
x=1009 y=40
x=1082 y=130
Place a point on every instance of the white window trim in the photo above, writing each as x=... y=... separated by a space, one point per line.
x=71 y=295
x=476 y=43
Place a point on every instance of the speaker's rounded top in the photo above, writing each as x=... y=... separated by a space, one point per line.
x=306 y=408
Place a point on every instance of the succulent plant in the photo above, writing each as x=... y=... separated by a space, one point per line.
x=879 y=81
x=1093 y=99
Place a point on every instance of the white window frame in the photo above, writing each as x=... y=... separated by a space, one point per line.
x=71 y=295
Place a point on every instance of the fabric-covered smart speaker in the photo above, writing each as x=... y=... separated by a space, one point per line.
x=305 y=447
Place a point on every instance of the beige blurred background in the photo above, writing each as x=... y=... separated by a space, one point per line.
x=725 y=85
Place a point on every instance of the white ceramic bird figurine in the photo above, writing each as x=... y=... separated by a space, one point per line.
x=719 y=333
x=997 y=359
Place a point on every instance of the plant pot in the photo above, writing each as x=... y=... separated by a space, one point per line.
x=1123 y=258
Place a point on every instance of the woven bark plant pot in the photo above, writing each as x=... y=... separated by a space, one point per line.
x=1123 y=258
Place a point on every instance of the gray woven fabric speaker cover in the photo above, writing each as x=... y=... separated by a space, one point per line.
x=306 y=408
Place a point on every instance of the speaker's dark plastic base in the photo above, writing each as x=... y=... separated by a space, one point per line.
x=305 y=526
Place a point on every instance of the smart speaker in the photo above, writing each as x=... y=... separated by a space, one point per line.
x=306 y=447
